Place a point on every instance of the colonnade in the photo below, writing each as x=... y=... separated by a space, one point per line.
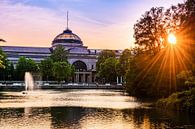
x=84 y=77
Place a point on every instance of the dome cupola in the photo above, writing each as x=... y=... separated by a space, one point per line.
x=67 y=38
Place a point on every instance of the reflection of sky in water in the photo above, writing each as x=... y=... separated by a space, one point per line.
x=83 y=109
x=74 y=98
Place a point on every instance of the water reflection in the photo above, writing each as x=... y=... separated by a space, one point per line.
x=89 y=117
x=92 y=118
x=74 y=98
x=19 y=119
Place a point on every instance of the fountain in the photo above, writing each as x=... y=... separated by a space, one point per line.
x=29 y=82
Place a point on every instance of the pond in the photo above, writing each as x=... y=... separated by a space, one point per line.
x=85 y=109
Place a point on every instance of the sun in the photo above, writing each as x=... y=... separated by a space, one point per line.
x=172 y=39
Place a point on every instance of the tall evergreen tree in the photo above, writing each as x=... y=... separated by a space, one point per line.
x=59 y=54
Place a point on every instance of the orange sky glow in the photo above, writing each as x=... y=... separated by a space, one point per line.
x=107 y=26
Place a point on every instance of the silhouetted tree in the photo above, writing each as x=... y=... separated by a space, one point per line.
x=156 y=75
x=149 y=31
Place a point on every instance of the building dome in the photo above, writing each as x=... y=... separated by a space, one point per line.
x=67 y=38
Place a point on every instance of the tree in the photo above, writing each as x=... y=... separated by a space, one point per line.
x=8 y=72
x=57 y=65
x=62 y=71
x=108 y=70
x=149 y=31
x=59 y=54
x=25 y=65
x=174 y=17
x=157 y=64
x=124 y=61
x=130 y=76
x=182 y=77
x=46 y=68
x=140 y=75
x=3 y=59
x=105 y=54
x=7 y=68
x=1 y=62
x=180 y=19
x=1 y=55
x=190 y=27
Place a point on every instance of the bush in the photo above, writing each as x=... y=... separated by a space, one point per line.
x=181 y=101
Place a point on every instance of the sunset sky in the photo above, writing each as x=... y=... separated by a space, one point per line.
x=101 y=24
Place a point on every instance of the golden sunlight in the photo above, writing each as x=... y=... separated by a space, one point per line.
x=172 y=38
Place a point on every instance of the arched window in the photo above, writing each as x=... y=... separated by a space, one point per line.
x=80 y=66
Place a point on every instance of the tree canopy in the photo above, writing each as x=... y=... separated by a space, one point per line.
x=2 y=56
x=1 y=60
x=124 y=61
x=105 y=54
x=108 y=70
x=62 y=71
x=157 y=66
x=56 y=66
x=46 y=66
x=25 y=65
x=6 y=67
x=59 y=54
x=149 y=31
x=152 y=29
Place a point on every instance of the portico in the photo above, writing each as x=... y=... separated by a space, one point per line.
x=83 y=77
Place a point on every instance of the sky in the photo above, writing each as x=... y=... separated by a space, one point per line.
x=101 y=24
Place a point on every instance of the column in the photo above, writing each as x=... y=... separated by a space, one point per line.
x=84 y=78
x=77 y=77
x=117 y=80
x=90 y=77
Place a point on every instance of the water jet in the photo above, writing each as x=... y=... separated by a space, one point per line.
x=29 y=82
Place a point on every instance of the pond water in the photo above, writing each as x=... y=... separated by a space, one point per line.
x=85 y=109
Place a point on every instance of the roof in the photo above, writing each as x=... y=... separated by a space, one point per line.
x=20 y=49
x=67 y=37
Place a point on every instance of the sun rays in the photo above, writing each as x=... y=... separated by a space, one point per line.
x=165 y=65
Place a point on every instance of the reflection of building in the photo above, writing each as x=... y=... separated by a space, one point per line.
x=80 y=56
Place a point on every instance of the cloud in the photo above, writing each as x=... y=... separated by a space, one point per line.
x=100 y=23
x=27 y=25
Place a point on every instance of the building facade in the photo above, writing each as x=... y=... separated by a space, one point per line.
x=83 y=59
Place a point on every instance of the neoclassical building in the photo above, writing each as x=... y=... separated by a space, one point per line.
x=80 y=56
